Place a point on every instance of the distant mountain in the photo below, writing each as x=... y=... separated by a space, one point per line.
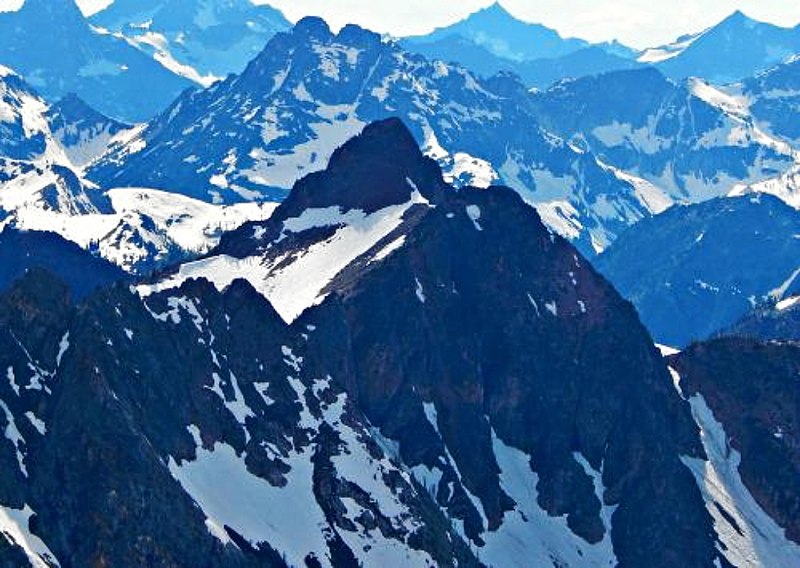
x=503 y=35
x=465 y=52
x=82 y=272
x=36 y=172
x=743 y=394
x=736 y=48
x=82 y=132
x=24 y=130
x=200 y=40
x=310 y=90
x=773 y=97
x=593 y=60
x=43 y=151
x=69 y=56
x=689 y=140
x=615 y=47
x=695 y=270
x=775 y=321
x=492 y=41
x=540 y=73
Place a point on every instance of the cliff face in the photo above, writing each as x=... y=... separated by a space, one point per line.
x=753 y=391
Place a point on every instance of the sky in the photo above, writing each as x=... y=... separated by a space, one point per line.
x=638 y=23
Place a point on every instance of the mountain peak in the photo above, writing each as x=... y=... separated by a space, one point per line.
x=72 y=108
x=49 y=9
x=739 y=18
x=312 y=27
x=495 y=11
x=497 y=30
x=380 y=167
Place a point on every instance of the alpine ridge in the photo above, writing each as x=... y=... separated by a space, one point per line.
x=402 y=443
x=287 y=295
x=310 y=90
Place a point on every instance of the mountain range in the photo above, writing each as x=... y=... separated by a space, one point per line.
x=310 y=89
x=348 y=438
x=736 y=48
x=278 y=296
x=492 y=40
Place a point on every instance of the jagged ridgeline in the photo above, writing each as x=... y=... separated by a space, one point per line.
x=396 y=372
x=278 y=295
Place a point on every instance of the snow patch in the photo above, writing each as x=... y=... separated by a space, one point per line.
x=755 y=539
x=420 y=291
x=293 y=284
x=287 y=518
x=528 y=535
x=474 y=213
x=15 y=527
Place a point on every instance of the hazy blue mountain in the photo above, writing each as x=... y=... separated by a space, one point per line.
x=52 y=45
x=465 y=52
x=736 y=48
x=592 y=60
x=615 y=47
x=83 y=132
x=203 y=40
x=774 y=99
x=492 y=40
x=687 y=139
x=695 y=270
x=503 y=35
x=539 y=73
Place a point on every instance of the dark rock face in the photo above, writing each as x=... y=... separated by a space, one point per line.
x=101 y=492
x=549 y=385
x=695 y=270
x=753 y=390
x=82 y=272
x=117 y=401
x=501 y=330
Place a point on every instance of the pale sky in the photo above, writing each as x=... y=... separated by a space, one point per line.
x=638 y=23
